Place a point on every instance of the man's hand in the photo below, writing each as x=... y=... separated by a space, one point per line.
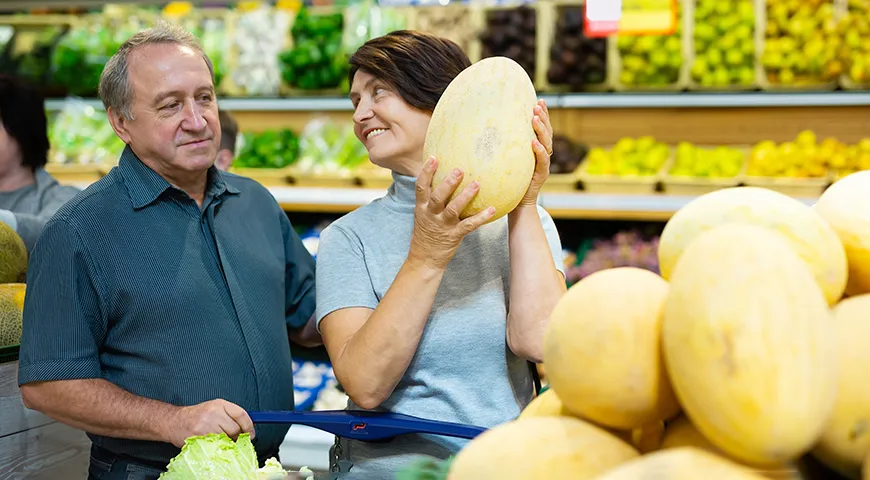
x=215 y=416
x=543 y=148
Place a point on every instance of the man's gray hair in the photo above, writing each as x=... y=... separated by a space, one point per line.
x=114 y=89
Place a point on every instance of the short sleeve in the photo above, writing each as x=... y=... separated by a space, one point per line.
x=299 y=280
x=64 y=324
x=552 y=239
x=343 y=280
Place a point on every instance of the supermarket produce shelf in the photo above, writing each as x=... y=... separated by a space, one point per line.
x=571 y=100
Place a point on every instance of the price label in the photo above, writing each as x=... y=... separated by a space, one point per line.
x=630 y=17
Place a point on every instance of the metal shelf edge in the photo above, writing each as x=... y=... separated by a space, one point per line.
x=579 y=100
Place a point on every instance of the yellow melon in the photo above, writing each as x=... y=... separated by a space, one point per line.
x=846 y=207
x=13 y=255
x=685 y=463
x=602 y=348
x=845 y=442
x=11 y=309
x=483 y=125
x=748 y=344
x=807 y=233
x=681 y=433
x=540 y=447
x=866 y=469
x=546 y=404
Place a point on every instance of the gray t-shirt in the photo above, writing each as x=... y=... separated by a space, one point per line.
x=27 y=209
x=463 y=370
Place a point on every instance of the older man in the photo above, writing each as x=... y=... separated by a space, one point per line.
x=161 y=297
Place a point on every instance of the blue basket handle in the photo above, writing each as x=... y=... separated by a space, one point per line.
x=364 y=425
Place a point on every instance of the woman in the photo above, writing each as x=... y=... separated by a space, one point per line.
x=29 y=196
x=423 y=313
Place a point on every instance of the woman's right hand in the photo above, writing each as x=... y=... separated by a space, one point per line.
x=438 y=230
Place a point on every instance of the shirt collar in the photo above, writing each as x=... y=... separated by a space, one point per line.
x=144 y=185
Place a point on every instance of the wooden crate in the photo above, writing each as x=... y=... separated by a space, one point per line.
x=758 y=38
x=301 y=178
x=621 y=184
x=268 y=177
x=74 y=173
x=679 y=185
x=614 y=61
x=547 y=18
x=373 y=176
x=795 y=187
x=845 y=82
x=468 y=38
x=761 y=39
x=484 y=11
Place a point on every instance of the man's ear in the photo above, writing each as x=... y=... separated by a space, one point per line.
x=119 y=124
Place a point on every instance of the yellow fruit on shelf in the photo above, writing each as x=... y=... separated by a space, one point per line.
x=602 y=349
x=715 y=162
x=845 y=441
x=802 y=43
x=685 y=463
x=651 y=60
x=541 y=447
x=855 y=50
x=811 y=237
x=643 y=156
x=801 y=158
x=748 y=345
x=724 y=38
x=845 y=206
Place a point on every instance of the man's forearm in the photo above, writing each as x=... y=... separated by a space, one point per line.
x=535 y=284
x=102 y=408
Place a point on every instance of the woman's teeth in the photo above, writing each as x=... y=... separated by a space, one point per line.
x=375 y=133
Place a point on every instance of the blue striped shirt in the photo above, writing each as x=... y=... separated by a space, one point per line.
x=132 y=282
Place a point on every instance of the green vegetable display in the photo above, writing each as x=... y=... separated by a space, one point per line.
x=268 y=149
x=316 y=60
x=366 y=20
x=80 y=134
x=215 y=456
x=326 y=146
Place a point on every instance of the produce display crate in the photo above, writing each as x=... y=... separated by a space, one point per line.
x=795 y=187
x=343 y=179
x=373 y=176
x=621 y=184
x=197 y=17
x=562 y=182
x=488 y=11
x=460 y=22
x=74 y=173
x=690 y=28
x=846 y=82
x=762 y=39
x=615 y=59
x=268 y=177
x=681 y=185
x=548 y=17
x=235 y=20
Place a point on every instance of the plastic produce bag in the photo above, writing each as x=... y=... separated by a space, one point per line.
x=261 y=35
x=366 y=20
x=81 y=134
x=328 y=147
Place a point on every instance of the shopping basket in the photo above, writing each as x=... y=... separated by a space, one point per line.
x=365 y=425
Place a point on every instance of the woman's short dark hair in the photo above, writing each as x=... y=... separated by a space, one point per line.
x=418 y=65
x=22 y=110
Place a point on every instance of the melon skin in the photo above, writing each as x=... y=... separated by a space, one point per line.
x=602 y=349
x=540 y=447
x=807 y=232
x=13 y=255
x=546 y=404
x=681 y=433
x=482 y=124
x=749 y=346
x=11 y=311
x=845 y=442
x=845 y=205
x=685 y=463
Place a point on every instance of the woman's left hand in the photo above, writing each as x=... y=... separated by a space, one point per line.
x=543 y=148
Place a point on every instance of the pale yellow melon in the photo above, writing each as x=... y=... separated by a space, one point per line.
x=540 y=447
x=483 y=125
x=846 y=207
x=845 y=442
x=681 y=433
x=807 y=233
x=685 y=463
x=11 y=309
x=546 y=404
x=13 y=255
x=749 y=345
x=602 y=348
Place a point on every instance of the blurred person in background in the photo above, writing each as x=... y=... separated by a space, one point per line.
x=29 y=196
x=229 y=132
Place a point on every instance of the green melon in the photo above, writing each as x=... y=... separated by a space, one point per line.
x=13 y=255
x=11 y=308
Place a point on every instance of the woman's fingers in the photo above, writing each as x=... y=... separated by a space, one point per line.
x=441 y=193
x=542 y=134
x=475 y=221
x=455 y=207
x=542 y=111
x=424 y=180
x=542 y=159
